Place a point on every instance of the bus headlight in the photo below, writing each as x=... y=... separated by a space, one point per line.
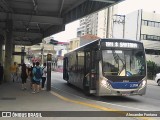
x=104 y=82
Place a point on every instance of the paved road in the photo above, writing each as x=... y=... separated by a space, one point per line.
x=69 y=99
x=148 y=102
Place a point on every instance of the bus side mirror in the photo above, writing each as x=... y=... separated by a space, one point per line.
x=98 y=56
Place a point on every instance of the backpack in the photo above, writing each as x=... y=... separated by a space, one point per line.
x=38 y=74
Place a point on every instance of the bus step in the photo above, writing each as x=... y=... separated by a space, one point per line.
x=92 y=91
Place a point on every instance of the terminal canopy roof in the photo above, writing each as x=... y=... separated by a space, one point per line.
x=34 y=20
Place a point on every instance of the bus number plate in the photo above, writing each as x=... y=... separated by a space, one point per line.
x=133 y=85
x=126 y=94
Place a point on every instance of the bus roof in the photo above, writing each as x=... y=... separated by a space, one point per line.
x=116 y=39
x=102 y=40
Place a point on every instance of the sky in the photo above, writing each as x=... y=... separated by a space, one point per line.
x=124 y=7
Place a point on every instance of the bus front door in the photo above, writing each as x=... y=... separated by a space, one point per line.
x=90 y=72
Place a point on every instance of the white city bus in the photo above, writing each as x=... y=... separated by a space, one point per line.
x=107 y=67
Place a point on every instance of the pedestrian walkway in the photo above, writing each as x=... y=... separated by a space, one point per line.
x=59 y=70
x=13 y=98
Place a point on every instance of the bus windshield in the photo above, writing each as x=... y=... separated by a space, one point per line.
x=123 y=62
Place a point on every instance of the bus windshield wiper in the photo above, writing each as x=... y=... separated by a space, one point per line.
x=116 y=58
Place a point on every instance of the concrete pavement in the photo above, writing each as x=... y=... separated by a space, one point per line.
x=12 y=98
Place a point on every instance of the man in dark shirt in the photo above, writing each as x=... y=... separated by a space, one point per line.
x=1 y=73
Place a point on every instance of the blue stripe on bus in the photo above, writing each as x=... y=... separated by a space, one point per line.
x=124 y=85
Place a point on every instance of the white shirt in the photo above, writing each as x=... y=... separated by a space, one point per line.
x=44 y=71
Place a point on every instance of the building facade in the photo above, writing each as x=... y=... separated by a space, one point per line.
x=79 y=41
x=142 y=26
x=98 y=24
x=88 y=25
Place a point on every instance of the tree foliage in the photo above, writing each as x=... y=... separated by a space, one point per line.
x=152 y=69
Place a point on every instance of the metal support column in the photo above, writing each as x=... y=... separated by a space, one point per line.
x=22 y=56
x=108 y=28
x=1 y=52
x=42 y=54
x=13 y=50
x=8 y=49
x=49 y=59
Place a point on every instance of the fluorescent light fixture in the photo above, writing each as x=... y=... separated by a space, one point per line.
x=107 y=1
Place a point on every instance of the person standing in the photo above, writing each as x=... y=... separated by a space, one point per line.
x=19 y=70
x=30 y=68
x=31 y=75
x=44 y=69
x=37 y=77
x=13 y=69
x=1 y=73
x=24 y=75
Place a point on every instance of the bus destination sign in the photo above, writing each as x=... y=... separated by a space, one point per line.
x=122 y=44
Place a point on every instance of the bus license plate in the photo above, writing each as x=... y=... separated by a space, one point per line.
x=125 y=94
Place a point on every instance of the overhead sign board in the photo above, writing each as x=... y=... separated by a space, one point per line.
x=19 y=53
x=49 y=57
x=121 y=44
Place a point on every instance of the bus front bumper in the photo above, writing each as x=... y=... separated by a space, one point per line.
x=106 y=91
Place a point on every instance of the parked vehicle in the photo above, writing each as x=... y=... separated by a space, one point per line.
x=157 y=79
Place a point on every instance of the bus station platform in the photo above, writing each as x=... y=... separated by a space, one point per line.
x=13 y=98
